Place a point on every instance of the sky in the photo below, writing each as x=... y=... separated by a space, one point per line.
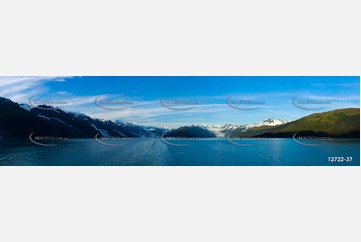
x=178 y=101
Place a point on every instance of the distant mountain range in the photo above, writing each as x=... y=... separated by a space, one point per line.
x=340 y=123
x=20 y=120
x=224 y=129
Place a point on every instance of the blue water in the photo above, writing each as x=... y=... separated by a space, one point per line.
x=202 y=152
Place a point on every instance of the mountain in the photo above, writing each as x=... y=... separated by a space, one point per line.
x=225 y=129
x=190 y=132
x=340 y=123
x=208 y=131
x=220 y=130
x=17 y=122
x=20 y=120
x=145 y=130
x=270 y=122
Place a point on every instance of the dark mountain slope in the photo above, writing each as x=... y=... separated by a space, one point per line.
x=190 y=132
x=17 y=122
x=22 y=120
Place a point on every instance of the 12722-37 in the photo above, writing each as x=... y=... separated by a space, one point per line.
x=340 y=159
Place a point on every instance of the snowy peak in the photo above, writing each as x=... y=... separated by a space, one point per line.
x=25 y=106
x=270 y=122
x=221 y=130
x=220 y=126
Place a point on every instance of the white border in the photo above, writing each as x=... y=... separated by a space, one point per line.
x=180 y=38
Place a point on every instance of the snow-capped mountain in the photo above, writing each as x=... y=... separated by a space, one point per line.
x=147 y=130
x=104 y=127
x=20 y=120
x=270 y=122
x=25 y=106
x=221 y=130
x=72 y=124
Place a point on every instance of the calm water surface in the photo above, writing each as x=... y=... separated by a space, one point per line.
x=202 y=152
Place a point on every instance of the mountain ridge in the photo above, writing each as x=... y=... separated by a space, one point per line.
x=339 y=123
x=20 y=120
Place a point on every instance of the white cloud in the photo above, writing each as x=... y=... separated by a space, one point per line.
x=212 y=108
x=20 y=89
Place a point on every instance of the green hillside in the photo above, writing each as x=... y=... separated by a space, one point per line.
x=340 y=123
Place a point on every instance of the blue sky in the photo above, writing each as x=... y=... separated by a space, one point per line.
x=209 y=94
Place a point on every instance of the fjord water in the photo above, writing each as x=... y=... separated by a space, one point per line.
x=201 y=152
